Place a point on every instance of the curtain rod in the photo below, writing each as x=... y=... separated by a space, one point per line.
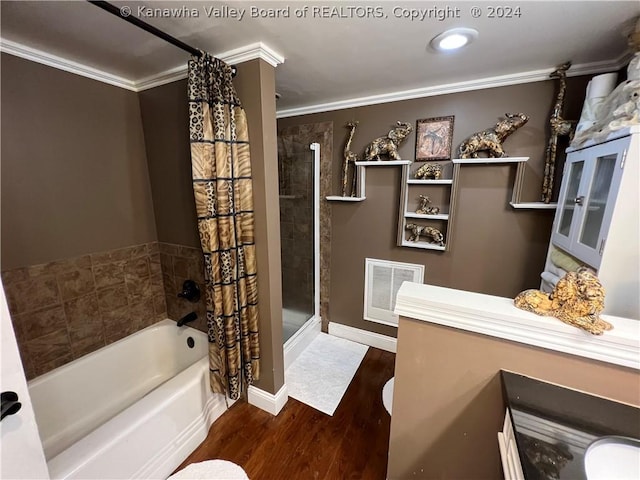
x=112 y=9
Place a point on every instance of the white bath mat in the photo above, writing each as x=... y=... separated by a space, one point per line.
x=211 y=470
x=321 y=374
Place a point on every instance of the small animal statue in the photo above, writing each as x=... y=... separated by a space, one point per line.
x=350 y=159
x=420 y=230
x=490 y=140
x=547 y=458
x=577 y=299
x=429 y=170
x=389 y=144
x=425 y=209
x=559 y=127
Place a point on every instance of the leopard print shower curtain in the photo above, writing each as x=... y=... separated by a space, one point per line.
x=223 y=193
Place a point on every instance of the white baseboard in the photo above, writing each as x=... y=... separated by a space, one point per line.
x=376 y=340
x=267 y=401
x=300 y=340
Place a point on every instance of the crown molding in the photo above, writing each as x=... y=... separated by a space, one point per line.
x=45 y=58
x=251 y=52
x=239 y=55
x=162 y=78
x=232 y=57
x=457 y=87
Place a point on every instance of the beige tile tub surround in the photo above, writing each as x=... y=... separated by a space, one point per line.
x=180 y=263
x=65 y=309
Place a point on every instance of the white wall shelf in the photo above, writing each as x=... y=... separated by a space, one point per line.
x=440 y=216
x=361 y=168
x=443 y=181
x=471 y=161
x=451 y=179
x=411 y=186
x=534 y=206
x=424 y=245
x=383 y=163
x=337 y=198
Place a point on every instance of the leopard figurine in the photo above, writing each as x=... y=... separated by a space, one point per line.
x=577 y=299
x=425 y=209
x=420 y=230
x=429 y=170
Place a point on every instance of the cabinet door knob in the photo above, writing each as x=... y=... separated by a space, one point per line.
x=579 y=200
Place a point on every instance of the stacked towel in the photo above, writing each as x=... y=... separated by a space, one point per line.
x=550 y=278
x=557 y=271
x=564 y=260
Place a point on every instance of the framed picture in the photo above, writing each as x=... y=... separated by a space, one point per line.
x=433 y=138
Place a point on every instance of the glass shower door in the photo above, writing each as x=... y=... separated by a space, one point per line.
x=297 y=233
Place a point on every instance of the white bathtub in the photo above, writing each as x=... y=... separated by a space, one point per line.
x=133 y=409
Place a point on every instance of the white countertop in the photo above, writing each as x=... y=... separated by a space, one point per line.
x=498 y=317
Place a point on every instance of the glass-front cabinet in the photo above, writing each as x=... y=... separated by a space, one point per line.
x=587 y=197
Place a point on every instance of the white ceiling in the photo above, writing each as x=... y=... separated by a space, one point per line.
x=335 y=59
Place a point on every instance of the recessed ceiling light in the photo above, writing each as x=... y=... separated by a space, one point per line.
x=453 y=39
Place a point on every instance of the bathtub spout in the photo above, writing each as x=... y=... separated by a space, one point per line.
x=189 y=317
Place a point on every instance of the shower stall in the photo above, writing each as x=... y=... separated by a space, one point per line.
x=299 y=177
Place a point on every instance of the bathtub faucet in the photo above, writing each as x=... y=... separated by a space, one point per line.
x=189 y=317
x=190 y=291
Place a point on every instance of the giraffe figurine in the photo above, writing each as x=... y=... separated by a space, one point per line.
x=350 y=158
x=559 y=127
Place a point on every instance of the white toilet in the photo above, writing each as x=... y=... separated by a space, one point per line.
x=387 y=395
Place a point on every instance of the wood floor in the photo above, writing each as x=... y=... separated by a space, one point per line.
x=303 y=443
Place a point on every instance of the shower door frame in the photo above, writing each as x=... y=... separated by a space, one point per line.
x=312 y=327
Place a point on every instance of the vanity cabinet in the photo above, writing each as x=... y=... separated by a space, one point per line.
x=597 y=219
x=588 y=195
x=509 y=455
x=548 y=428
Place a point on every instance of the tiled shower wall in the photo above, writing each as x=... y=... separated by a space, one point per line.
x=65 y=309
x=180 y=263
x=296 y=228
x=321 y=133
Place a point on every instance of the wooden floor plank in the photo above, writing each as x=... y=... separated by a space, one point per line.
x=304 y=443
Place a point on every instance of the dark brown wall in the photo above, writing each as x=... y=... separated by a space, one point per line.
x=165 y=119
x=446 y=415
x=74 y=173
x=495 y=249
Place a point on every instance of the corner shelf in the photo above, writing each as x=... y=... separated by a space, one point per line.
x=361 y=177
x=516 y=201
